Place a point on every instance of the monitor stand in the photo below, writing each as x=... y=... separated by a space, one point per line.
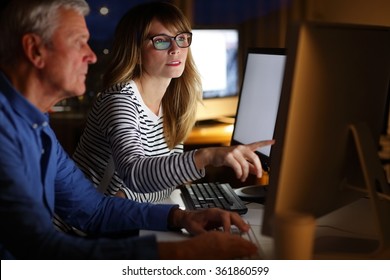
x=378 y=207
x=253 y=193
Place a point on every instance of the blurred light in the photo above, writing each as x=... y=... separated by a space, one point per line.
x=104 y=10
x=229 y=128
x=106 y=51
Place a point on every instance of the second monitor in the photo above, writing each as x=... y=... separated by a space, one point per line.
x=215 y=52
x=258 y=106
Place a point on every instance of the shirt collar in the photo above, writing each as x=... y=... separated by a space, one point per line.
x=21 y=105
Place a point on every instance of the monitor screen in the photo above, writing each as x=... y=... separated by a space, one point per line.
x=259 y=98
x=215 y=52
x=329 y=121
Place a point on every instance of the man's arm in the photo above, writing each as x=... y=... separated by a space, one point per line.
x=80 y=204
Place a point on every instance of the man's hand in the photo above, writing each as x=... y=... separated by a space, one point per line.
x=210 y=245
x=197 y=222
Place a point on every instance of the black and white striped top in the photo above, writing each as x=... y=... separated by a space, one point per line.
x=121 y=126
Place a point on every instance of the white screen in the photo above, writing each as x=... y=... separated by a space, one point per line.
x=215 y=55
x=259 y=99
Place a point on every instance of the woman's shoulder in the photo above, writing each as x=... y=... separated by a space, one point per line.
x=119 y=91
x=124 y=88
x=121 y=96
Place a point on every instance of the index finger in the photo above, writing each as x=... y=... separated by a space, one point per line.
x=255 y=145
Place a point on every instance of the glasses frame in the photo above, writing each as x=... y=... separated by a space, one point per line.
x=172 y=38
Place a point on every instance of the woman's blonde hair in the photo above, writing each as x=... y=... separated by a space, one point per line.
x=181 y=99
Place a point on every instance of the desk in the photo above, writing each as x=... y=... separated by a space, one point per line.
x=332 y=224
x=214 y=134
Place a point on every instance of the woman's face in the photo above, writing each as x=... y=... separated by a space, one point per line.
x=167 y=63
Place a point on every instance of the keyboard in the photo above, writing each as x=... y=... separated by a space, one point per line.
x=250 y=236
x=212 y=195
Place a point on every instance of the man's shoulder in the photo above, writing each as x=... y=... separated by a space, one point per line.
x=3 y=100
x=4 y=107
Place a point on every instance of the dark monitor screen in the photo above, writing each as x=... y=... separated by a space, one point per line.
x=329 y=122
x=259 y=98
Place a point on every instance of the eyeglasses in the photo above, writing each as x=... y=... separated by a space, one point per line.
x=164 y=42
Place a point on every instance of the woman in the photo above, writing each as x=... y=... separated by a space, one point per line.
x=133 y=142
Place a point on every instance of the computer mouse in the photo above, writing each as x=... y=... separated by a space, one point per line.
x=252 y=193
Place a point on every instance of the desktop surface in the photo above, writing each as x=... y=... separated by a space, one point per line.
x=325 y=226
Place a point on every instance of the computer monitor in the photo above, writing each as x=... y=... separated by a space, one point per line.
x=259 y=99
x=327 y=131
x=215 y=51
x=258 y=106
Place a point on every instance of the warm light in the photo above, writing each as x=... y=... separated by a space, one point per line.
x=229 y=128
x=104 y=10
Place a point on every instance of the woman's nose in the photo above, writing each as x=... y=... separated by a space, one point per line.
x=174 y=48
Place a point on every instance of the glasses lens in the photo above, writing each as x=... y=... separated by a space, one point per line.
x=164 y=42
x=161 y=42
x=183 y=40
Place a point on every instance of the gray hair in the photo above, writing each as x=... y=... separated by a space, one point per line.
x=19 y=17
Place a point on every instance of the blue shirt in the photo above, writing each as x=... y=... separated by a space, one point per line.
x=37 y=178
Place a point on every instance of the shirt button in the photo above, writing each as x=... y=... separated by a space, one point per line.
x=35 y=125
x=44 y=124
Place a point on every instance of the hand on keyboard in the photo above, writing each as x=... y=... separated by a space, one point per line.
x=201 y=221
x=250 y=236
x=210 y=245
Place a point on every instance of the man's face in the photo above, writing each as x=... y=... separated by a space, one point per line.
x=68 y=56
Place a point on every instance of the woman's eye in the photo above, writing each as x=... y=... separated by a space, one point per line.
x=160 y=40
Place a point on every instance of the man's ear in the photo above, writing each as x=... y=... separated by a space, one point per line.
x=33 y=48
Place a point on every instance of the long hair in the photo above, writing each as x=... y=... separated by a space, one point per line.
x=183 y=94
x=19 y=17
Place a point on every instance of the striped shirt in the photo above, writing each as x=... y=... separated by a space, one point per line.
x=120 y=126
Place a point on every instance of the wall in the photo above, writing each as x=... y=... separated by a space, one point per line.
x=373 y=12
